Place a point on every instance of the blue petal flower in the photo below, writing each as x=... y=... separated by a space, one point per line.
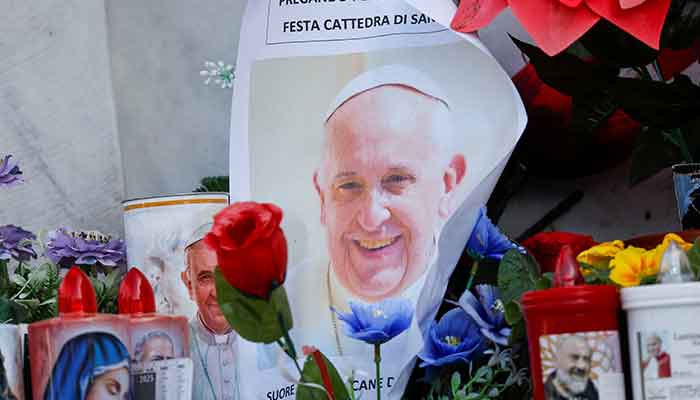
x=456 y=337
x=486 y=241
x=10 y=174
x=16 y=243
x=66 y=248
x=377 y=323
x=487 y=312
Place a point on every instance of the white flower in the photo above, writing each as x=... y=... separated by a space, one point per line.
x=221 y=74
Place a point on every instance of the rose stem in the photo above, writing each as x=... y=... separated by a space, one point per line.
x=378 y=362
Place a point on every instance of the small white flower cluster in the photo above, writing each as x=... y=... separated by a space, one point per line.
x=220 y=73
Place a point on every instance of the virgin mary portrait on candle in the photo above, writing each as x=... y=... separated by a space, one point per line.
x=92 y=366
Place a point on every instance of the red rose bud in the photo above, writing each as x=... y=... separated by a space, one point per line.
x=250 y=247
x=76 y=294
x=136 y=294
x=567 y=272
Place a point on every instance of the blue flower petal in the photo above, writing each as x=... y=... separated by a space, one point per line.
x=377 y=323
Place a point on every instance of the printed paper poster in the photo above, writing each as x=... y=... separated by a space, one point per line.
x=380 y=133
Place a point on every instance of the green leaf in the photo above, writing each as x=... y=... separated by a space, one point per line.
x=312 y=374
x=682 y=26
x=694 y=258
x=455 y=382
x=518 y=334
x=655 y=103
x=214 y=184
x=648 y=280
x=590 y=111
x=10 y=312
x=566 y=72
x=255 y=319
x=612 y=45
x=652 y=153
x=513 y=313
x=518 y=273
x=543 y=283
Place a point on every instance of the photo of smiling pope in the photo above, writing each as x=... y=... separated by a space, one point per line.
x=370 y=160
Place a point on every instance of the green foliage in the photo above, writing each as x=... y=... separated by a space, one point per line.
x=668 y=112
x=518 y=273
x=256 y=320
x=682 y=26
x=214 y=184
x=312 y=374
x=33 y=291
x=694 y=258
x=107 y=290
x=492 y=380
x=596 y=276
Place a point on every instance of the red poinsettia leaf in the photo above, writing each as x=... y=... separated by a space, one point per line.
x=473 y=15
x=644 y=22
x=672 y=62
x=553 y=25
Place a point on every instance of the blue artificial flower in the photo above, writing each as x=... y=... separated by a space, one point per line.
x=455 y=338
x=486 y=241
x=487 y=312
x=16 y=243
x=66 y=248
x=377 y=323
x=10 y=174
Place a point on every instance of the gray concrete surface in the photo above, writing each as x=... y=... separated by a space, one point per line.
x=57 y=116
x=173 y=129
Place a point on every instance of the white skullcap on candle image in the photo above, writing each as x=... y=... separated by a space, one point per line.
x=198 y=234
x=388 y=75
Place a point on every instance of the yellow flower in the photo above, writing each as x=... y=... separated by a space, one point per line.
x=661 y=249
x=631 y=265
x=599 y=256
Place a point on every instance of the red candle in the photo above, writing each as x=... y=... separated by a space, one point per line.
x=573 y=338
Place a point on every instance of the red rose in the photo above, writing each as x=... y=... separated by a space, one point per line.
x=545 y=247
x=250 y=247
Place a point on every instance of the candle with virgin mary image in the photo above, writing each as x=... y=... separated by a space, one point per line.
x=80 y=354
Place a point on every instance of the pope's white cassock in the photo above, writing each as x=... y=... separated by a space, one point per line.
x=215 y=363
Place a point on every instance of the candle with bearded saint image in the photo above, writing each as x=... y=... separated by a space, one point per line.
x=380 y=152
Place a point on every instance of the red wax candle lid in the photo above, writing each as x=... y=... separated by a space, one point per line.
x=136 y=294
x=76 y=294
x=567 y=272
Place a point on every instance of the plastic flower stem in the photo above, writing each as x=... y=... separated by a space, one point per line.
x=472 y=274
x=4 y=278
x=20 y=269
x=378 y=362
x=288 y=347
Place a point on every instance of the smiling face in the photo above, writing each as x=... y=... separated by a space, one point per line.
x=385 y=188
x=112 y=385
x=201 y=283
x=574 y=364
